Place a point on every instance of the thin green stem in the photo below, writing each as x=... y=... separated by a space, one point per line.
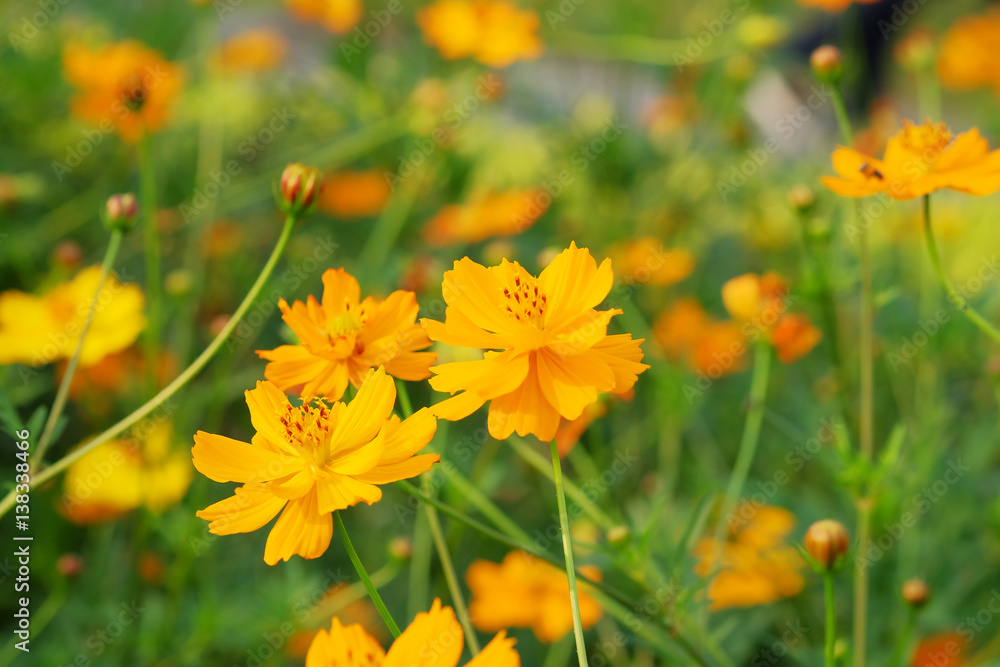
x=449 y=574
x=960 y=303
x=181 y=380
x=831 y=620
x=843 y=120
x=147 y=173
x=479 y=500
x=902 y=647
x=365 y=579
x=60 y=403
x=574 y=597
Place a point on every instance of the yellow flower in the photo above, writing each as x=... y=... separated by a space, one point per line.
x=38 y=330
x=755 y=298
x=526 y=592
x=758 y=566
x=343 y=337
x=556 y=355
x=433 y=639
x=337 y=16
x=252 y=50
x=501 y=214
x=646 y=261
x=970 y=53
x=311 y=460
x=122 y=475
x=918 y=160
x=126 y=85
x=494 y=32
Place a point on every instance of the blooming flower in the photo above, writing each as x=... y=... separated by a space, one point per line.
x=645 y=261
x=833 y=6
x=126 y=84
x=501 y=214
x=342 y=338
x=794 y=336
x=708 y=347
x=970 y=53
x=128 y=474
x=252 y=51
x=943 y=650
x=757 y=566
x=760 y=302
x=37 y=330
x=337 y=16
x=311 y=460
x=433 y=639
x=526 y=592
x=918 y=160
x=354 y=194
x=494 y=32
x=556 y=355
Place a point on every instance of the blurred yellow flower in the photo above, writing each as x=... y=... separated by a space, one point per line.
x=919 y=160
x=758 y=566
x=122 y=475
x=556 y=353
x=343 y=337
x=526 y=592
x=124 y=86
x=494 y=32
x=970 y=53
x=311 y=460
x=252 y=51
x=433 y=639
x=645 y=261
x=756 y=298
x=337 y=16
x=502 y=214
x=38 y=330
x=354 y=194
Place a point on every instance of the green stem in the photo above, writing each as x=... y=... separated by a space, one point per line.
x=453 y=587
x=960 y=303
x=60 y=403
x=843 y=120
x=479 y=500
x=178 y=382
x=899 y=651
x=831 y=619
x=365 y=579
x=574 y=597
x=147 y=174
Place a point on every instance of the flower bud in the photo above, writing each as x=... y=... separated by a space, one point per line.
x=826 y=541
x=915 y=52
x=801 y=198
x=300 y=186
x=68 y=255
x=70 y=565
x=916 y=593
x=617 y=535
x=401 y=548
x=827 y=63
x=120 y=212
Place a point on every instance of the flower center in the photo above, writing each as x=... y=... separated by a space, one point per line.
x=308 y=429
x=927 y=140
x=525 y=302
x=133 y=91
x=351 y=321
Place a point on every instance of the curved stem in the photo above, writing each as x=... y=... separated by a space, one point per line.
x=178 y=382
x=960 y=303
x=831 y=620
x=60 y=403
x=147 y=174
x=453 y=587
x=365 y=579
x=574 y=597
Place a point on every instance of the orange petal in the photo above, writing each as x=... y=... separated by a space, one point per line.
x=223 y=459
x=301 y=530
x=246 y=511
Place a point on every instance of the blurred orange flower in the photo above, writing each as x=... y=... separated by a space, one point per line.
x=124 y=86
x=344 y=337
x=252 y=51
x=501 y=214
x=556 y=355
x=759 y=299
x=526 y=592
x=833 y=6
x=708 y=347
x=354 y=194
x=38 y=330
x=434 y=638
x=645 y=261
x=122 y=475
x=794 y=337
x=120 y=374
x=494 y=32
x=758 y=566
x=311 y=460
x=944 y=650
x=970 y=53
x=337 y=16
x=918 y=160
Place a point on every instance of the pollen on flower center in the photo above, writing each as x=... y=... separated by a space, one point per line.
x=133 y=91
x=351 y=321
x=525 y=302
x=308 y=429
x=927 y=140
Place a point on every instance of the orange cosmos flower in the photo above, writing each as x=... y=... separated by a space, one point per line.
x=337 y=16
x=252 y=51
x=794 y=336
x=38 y=330
x=944 y=650
x=503 y=214
x=711 y=348
x=433 y=639
x=125 y=85
x=526 y=592
x=354 y=194
x=759 y=302
x=918 y=160
x=970 y=53
x=494 y=32
x=646 y=261
x=556 y=355
x=833 y=6
x=758 y=566
x=311 y=460
x=342 y=338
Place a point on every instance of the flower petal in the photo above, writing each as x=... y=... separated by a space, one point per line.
x=573 y=284
x=301 y=530
x=249 y=509
x=223 y=459
x=433 y=639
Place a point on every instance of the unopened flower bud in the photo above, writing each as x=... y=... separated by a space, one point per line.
x=916 y=593
x=826 y=541
x=68 y=255
x=801 y=198
x=827 y=63
x=617 y=534
x=401 y=548
x=70 y=565
x=120 y=212
x=916 y=51
x=300 y=187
